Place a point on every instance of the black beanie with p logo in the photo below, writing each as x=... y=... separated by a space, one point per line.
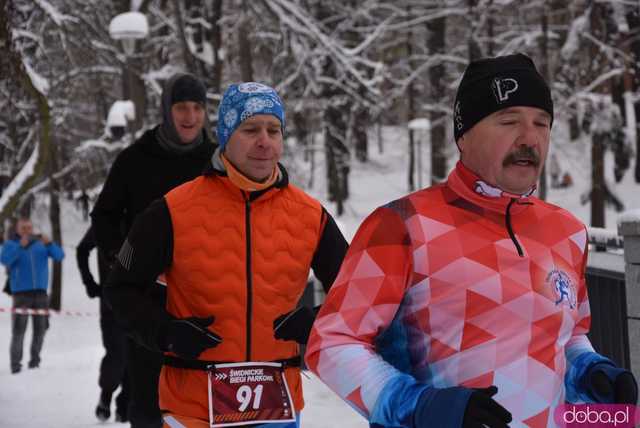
x=491 y=84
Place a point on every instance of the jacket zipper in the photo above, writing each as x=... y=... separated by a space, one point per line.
x=33 y=270
x=247 y=211
x=510 y=228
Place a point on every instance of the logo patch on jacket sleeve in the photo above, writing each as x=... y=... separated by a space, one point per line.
x=563 y=288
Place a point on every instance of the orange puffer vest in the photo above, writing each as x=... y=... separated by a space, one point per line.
x=243 y=262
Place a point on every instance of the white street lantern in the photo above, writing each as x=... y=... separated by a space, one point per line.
x=129 y=27
x=120 y=113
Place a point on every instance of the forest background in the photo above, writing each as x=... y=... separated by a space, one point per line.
x=345 y=68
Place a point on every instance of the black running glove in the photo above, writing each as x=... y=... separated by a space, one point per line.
x=459 y=407
x=93 y=289
x=188 y=337
x=609 y=384
x=295 y=325
x=482 y=410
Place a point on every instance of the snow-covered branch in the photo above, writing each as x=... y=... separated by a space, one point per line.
x=53 y=13
x=584 y=92
x=20 y=179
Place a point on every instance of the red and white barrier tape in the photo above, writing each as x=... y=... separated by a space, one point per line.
x=28 y=311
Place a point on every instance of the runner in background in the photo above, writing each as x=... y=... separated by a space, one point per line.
x=171 y=153
x=27 y=257
x=113 y=372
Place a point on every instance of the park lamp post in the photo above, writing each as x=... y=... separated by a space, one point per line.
x=128 y=27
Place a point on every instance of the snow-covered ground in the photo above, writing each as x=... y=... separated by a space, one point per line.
x=63 y=392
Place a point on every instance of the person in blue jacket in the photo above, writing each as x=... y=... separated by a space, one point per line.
x=27 y=258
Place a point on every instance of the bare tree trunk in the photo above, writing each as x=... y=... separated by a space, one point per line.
x=598 y=139
x=544 y=68
x=15 y=62
x=244 y=47
x=337 y=153
x=633 y=19
x=360 y=133
x=216 y=42
x=490 y=29
x=411 y=114
x=186 y=54
x=574 y=127
x=475 y=51
x=436 y=44
x=312 y=159
x=597 y=180
x=55 y=300
x=195 y=12
x=304 y=135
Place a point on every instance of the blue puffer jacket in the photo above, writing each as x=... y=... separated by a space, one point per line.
x=29 y=266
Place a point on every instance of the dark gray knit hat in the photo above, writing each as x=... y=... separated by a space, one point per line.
x=180 y=87
x=492 y=84
x=187 y=87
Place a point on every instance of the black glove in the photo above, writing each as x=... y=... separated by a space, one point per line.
x=610 y=384
x=295 y=325
x=444 y=407
x=482 y=410
x=93 y=289
x=188 y=337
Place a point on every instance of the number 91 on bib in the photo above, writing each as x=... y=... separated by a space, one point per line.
x=251 y=392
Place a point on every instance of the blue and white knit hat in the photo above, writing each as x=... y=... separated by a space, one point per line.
x=243 y=100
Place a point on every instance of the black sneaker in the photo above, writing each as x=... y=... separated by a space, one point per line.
x=122 y=407
x=15 y=370
x=34 y=364
x=121 y=415
x=102 y=411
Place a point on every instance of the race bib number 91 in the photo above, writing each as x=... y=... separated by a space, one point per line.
x=242 y=393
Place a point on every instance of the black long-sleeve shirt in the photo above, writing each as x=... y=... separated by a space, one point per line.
x=87 y=243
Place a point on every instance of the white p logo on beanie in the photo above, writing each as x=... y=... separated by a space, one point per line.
x=503 y=87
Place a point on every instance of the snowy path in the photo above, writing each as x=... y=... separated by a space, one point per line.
x=63 y=392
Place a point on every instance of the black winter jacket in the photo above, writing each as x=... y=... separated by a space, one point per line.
x=141 y=173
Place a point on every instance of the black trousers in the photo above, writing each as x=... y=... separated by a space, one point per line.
x=113 y=371
x=143 y=368
x=28 y=300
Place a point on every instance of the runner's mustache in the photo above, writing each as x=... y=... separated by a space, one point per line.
x=525 y=153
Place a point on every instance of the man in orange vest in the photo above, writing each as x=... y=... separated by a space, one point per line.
x=235 y=246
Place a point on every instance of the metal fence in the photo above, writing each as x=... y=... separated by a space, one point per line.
x=607 y=297
x=608 y=301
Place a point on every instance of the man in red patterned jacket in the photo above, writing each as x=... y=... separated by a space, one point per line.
x=464 y=304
